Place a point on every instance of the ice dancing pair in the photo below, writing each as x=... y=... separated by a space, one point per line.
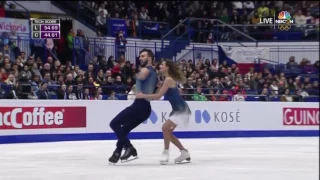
x=140 y=110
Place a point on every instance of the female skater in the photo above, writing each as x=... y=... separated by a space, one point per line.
x=180 y=110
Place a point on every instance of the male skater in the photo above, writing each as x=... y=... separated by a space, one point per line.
x=138 y=112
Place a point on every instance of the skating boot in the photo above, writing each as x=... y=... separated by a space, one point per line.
x=164 y=157
x=130 y=151
x=115 y=156
x=184 y=157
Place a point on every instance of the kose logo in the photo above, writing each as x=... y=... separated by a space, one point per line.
x=300 y=116
x=198 y=115
x=154 y=117
x=42 y=117
x=217 y=117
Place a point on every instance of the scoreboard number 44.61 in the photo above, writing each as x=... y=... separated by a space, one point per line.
x=45 y=28
x=45 y=35
x=51 y=35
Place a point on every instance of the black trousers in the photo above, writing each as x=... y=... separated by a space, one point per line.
x=128 y=119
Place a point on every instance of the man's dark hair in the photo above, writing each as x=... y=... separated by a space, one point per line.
x=149 y=52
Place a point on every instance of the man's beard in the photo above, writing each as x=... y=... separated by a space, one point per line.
x=144 y=64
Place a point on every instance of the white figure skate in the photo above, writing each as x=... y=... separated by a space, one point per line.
x=183 y=158
x=164 y=157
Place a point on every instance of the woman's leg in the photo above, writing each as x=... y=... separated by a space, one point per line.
x=167 y=129
x=176 y=142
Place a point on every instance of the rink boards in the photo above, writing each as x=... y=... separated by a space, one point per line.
x=56 y=120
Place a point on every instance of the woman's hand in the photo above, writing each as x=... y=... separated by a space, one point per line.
x=139 y=95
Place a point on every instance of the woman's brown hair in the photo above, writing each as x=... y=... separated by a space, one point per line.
x=174 y=71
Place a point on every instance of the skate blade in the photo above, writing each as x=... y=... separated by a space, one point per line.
x=128 y=160
x=186 y=161
x=163 y=162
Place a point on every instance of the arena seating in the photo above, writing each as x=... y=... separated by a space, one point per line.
x=24 y=75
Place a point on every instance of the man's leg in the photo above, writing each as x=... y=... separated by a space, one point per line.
x=117 y=126
x=136 y=121
x=127 y=128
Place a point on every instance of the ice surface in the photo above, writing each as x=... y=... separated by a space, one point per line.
x=212 y=159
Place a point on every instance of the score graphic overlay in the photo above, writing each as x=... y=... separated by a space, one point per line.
x=45 y=28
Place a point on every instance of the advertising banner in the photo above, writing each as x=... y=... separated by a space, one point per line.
x=14 y=25
x=117 y=25
x=57 y=120
x=245 y=55
x=42 y=117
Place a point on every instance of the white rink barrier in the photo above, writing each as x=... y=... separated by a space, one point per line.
x=57 y=120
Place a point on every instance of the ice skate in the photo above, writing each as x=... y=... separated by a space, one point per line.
x=130 y=151
x=183 y=158
x=115 y=156
x=164 y=157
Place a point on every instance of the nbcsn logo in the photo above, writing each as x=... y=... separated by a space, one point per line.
x=283 y=17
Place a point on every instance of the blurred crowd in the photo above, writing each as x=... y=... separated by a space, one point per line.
x=108 y=78
x=47 y=72
x=235 y=13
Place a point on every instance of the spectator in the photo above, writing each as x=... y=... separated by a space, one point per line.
x=292 y=62
x=47 y=79
x=274 y=87
x=315 y=88
x=237 y=4
x=143 y=14
x=308 y=68
x=86 y=95
x=264 y=95
x=26 y=72
x=43 y=92
x=224 y=16
x=110 y=62
x=300 y=19
x=101 y=22
x=238 y=97
x=302 y=93
x=131 y=94
x=101 y=80
x=11 y=81
x=198 y=96
x=248 y=5
x=13 y=93
x=316 y=66
x=211 y=96
x=98 y=95
x=121 y=44
x=224 y=96
x=69 y=79
x=62 y=92
x=79 y=91
x=2 y=92
x=103 y=9
x=70 y=94
x=112 y=96
x=1 y=57
x=286 y=96
x=22 y=56
x=35 y=71
x=263 y=10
